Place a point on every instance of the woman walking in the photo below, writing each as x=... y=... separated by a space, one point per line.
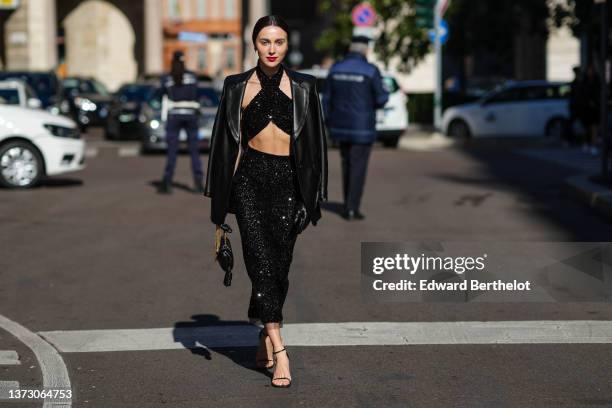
x=268 y=166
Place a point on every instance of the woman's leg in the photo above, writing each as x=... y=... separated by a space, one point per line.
x=284 y=196
x=265 y=203
x=281 y=369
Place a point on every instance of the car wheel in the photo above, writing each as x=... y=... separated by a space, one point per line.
x=21 y=165
x=459 y=129
x=555 y=128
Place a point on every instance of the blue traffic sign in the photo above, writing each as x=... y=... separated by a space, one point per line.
x=443 y=32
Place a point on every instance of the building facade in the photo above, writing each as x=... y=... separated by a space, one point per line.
x=208 y=32
x=115 y=41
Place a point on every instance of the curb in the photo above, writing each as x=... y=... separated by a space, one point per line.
x=594 y=195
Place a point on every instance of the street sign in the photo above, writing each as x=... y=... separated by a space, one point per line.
x=424 y=13
x=363 y=15
x=443 y=32
x=192 y=37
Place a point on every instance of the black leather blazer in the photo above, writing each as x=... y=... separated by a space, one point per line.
x=308 y=144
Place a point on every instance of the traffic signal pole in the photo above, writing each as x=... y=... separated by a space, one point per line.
x=438 y=75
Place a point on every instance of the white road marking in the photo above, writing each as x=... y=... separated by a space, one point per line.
x=91 y=151
x=9 y=357
x=129 y=151
x=430 y=142
x=337 y=334
x=54 y=371
x=6 y=386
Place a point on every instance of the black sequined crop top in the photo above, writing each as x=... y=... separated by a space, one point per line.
x=270 y=104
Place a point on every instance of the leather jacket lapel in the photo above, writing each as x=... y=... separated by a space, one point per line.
x=300 y=106
x=235 y=94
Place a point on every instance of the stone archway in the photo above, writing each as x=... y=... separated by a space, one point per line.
x=99 y=41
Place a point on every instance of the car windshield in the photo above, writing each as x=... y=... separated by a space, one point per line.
x=9 y=97
x=490 y=94
x=84 y=86
x=135 y=93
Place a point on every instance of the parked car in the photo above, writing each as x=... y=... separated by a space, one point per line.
x=89 y=100
x=519 y=108
x=124 y=111
x=34 y=143
x=153 y=130
x=392 y=119
x=18 y=92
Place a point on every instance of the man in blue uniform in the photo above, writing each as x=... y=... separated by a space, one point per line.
x=353 y=92
x=180 y=110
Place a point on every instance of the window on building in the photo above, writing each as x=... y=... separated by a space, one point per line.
x=201 y=11
x=201 y=59
x=230 y=9
x=174 y=11
x=230 y=57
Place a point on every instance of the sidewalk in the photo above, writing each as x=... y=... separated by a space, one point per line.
x=591 y=193
x=582 y=185
x=425 y=138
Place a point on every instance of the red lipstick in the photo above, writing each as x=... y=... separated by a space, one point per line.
x=271 y=59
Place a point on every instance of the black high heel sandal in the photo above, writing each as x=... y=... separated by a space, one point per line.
x=280 y=378
x=266 y=360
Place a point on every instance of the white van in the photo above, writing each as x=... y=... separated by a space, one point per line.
x=392 y=119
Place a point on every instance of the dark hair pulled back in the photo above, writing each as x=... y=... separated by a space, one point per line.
x=271 y=20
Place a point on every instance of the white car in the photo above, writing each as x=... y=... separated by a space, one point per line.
x=525 y=108
x=392 y=119
x=34 y=143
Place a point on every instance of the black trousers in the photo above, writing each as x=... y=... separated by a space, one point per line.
x=355 y=157
x=175 y=123
x=264 y=200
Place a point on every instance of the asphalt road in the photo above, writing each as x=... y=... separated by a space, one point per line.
x=101 y=250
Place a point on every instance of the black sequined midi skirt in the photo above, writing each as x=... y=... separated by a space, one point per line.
x=264 y=199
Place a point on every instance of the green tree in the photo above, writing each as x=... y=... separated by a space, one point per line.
x=399 y=37
x=579 y=15
x=583 y=18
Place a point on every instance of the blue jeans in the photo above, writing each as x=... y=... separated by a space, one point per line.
x=174 y=125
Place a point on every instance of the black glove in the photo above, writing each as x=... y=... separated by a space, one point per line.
x=301 y=218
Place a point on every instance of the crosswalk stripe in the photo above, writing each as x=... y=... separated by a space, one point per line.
x=6 y=387
x=129 y=151
x=54 y=371
x=91 y=152
x=9 y=357
x=337 y=334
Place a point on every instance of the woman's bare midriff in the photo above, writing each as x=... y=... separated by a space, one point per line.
x=271 y=139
